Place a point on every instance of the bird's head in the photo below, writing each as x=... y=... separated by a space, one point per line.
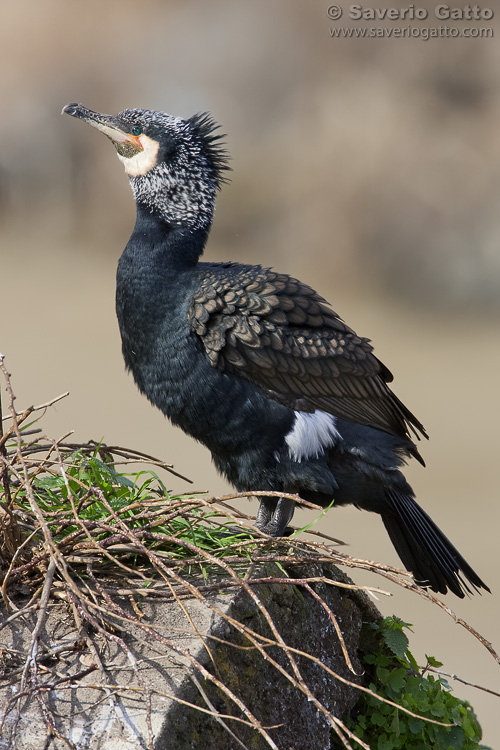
x=174 y=165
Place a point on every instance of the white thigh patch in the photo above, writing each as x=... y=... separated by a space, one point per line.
x=311 y=434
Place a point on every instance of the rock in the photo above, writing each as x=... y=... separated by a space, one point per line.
x=110 y=711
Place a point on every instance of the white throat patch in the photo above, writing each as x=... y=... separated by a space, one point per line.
x=311 y=434
x=144 y=161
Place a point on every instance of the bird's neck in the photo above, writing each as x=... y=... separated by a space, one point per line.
x=185 y=201
x=156 y=277
x=163 y=246
x=156 y=273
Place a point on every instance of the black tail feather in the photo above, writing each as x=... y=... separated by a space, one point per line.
x=425 y=550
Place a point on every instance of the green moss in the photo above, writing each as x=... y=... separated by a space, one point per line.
x=392 y=673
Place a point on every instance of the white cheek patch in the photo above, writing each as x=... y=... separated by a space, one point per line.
x=311 y=434
x=144 y=161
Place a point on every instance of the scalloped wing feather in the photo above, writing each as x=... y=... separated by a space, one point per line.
x=279 y=334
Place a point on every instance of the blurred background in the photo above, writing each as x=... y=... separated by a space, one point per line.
x=370 y=168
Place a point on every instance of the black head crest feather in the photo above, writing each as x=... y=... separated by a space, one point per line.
x=204 y=127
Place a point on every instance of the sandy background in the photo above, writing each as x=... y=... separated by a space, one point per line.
x=370 y=168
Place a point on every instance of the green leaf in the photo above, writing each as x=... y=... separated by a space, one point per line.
x=470 y=728
x=412 y=661
x=438 y=709
x=312 y=523
x=383 y=675
x=49 y=483
x=395 y=725
x=433 y=662
x=397 y=641
x=397 y=679
x=415 y=725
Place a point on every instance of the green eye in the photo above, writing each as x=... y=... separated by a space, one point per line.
x=136 y=130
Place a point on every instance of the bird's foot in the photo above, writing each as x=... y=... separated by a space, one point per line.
x=274 y=516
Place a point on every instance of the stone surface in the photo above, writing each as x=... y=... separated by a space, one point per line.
x=94 y=719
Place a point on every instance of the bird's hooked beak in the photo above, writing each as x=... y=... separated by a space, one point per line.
x=126 y=144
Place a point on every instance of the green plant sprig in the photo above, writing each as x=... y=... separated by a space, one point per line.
x=395 y=674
